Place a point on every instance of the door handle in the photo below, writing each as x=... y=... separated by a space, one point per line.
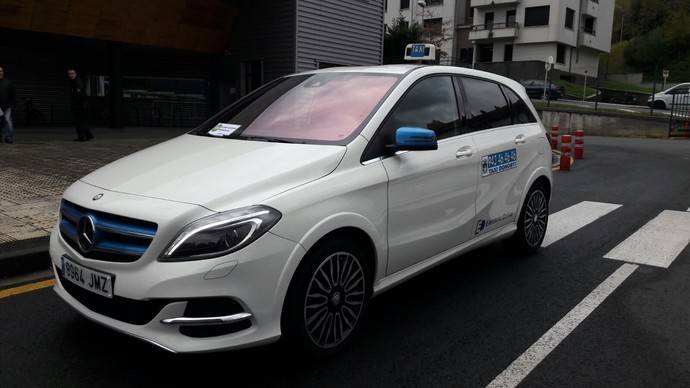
x=464 y=152
x=520 y=139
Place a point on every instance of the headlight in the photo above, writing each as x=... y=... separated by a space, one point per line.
x=221 y=234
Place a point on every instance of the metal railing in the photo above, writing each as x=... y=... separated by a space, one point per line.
x=679 y=122
x=494 y=26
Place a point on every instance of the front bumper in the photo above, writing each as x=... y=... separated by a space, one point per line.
x=253 y=277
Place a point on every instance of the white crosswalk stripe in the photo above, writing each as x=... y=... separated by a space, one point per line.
x=569 y=220
x=658 y=242
x=535 y=354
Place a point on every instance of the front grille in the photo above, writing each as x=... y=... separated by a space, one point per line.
x=136 y=312
x=117 y=238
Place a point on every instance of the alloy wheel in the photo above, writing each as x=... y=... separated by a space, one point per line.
x=536 y=215
x=334 y=300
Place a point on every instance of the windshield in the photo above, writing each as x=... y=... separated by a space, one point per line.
x=328 y=108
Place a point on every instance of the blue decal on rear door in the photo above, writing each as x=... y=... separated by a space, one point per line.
x=499 y=162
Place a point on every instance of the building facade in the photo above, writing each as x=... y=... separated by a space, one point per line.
x=439 y=19
x=173 y=63
x=573 y=32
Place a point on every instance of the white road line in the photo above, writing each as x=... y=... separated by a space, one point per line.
x=571 y=219
x=523 y=365
x=658 y=242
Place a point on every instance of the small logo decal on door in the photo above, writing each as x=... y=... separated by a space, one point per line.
x=498 y=162
x=483 y=225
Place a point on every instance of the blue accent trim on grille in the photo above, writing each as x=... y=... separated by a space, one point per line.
x=117 y=238
x=113 y=246
x=125 y=228
x=69 y=229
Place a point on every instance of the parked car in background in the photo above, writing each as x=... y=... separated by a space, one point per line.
x=664 y=99
x=535 y=89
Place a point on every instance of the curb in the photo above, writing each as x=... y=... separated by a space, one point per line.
x=24 y=257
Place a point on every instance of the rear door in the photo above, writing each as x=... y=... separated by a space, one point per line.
x=506 y=148
x=431 y=194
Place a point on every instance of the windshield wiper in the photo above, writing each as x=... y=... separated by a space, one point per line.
x=268 y=139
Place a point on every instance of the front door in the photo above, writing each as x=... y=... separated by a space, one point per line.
x=431 y=194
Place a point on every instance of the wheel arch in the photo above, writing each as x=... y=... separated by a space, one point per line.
x=344 y=224
x=540 y=176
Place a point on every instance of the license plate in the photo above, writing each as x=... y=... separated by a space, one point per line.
x=87 y=278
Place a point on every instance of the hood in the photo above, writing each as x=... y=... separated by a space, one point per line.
x=219 y=174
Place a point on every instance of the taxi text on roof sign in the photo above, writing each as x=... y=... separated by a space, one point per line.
x=420 y=52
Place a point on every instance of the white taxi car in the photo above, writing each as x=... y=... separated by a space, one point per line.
x=286 y=212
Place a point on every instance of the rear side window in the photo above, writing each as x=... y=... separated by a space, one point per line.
x=488 y=107
x=520 y=112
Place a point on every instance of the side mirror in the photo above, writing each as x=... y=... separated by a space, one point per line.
x=415 y=139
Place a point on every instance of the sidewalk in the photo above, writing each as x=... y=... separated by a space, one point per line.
x=40 y=165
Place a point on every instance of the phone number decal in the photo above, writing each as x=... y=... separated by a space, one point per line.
x=499 y=162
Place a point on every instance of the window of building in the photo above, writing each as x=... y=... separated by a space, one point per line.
x=404 y=4
x=510 y=18
x=508 y=52
x=489 y=20
x=485 y=52
x=569 y=18
x=433 y=27
x=431 y=103
x=488 y=106
x=560 y=53
x=434 y=2
x=385 y=5
x=537 y=16
x=590 y=25
x=518 y=109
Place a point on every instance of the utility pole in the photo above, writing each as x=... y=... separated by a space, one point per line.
x=622 y=19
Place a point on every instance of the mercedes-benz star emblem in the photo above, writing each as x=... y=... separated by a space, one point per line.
x=97 y=197
x=86 y=230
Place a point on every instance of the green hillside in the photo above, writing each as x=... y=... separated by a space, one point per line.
x=656 y=35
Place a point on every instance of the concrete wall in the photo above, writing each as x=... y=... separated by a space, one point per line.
x=606 y=125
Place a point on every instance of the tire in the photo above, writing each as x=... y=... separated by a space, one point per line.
x=659 y=104
x=327 y=298
x=533 y=220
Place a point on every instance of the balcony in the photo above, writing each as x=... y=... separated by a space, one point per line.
x=492 y=3
x=484 y=32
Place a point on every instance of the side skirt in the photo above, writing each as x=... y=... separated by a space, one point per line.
x=394 y=279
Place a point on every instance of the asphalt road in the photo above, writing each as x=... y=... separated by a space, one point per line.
x=460 y=324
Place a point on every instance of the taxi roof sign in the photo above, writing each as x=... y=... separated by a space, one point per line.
x=420 y=52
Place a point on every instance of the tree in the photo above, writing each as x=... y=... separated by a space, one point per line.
x=401 y=33
x=398 y=35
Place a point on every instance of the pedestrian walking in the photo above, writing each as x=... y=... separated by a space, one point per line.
x=79 y=107
x=7 y=102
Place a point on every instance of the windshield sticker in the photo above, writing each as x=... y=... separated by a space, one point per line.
x=223 y=129
x=499 y=162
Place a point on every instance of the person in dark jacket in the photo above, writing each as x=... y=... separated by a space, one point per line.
x=78 y=100
x=7 y=100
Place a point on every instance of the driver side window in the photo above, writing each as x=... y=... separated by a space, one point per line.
x=430 y=103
